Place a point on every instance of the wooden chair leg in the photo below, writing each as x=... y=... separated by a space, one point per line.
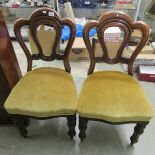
x=71 y=125
x=82 y=127
x=26 y=121
x=20 y=124
x=138 y=130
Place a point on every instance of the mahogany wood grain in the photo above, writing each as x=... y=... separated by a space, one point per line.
x=8 y=58
x=125 y=23
x=9 y=69
x=48 y=17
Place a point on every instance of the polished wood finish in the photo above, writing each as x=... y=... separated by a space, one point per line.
x=4 y=92
x=9 y=69
x=123 y=21
x=8 y=58
x=138 y=130
x=48 y=17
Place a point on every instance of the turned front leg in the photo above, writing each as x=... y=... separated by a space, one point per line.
x=71 y=125
x=19 y=123
x=138 y=130
x=82 y=127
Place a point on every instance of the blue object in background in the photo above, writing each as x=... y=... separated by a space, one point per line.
x=79 y=32
x=65 y=33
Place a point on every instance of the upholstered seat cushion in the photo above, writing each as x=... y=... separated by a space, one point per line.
x=113 y=96
x=43 y=92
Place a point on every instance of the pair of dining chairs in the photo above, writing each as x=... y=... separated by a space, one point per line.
x=109 y=96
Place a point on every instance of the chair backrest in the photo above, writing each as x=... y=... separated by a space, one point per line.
x=48 y=17
x=127 y=25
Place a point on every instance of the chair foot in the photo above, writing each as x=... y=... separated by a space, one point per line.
x=138 y=130
x=20 y=124
x=71 y=125
x=82 y=127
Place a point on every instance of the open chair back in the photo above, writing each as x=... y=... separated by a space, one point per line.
x=127 y=25
x=47 y=17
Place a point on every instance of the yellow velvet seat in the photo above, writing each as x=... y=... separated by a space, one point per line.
x=43 y=92
x=113 y=96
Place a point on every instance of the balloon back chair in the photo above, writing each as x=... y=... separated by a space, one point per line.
x=45 y=92
x=114 y=97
